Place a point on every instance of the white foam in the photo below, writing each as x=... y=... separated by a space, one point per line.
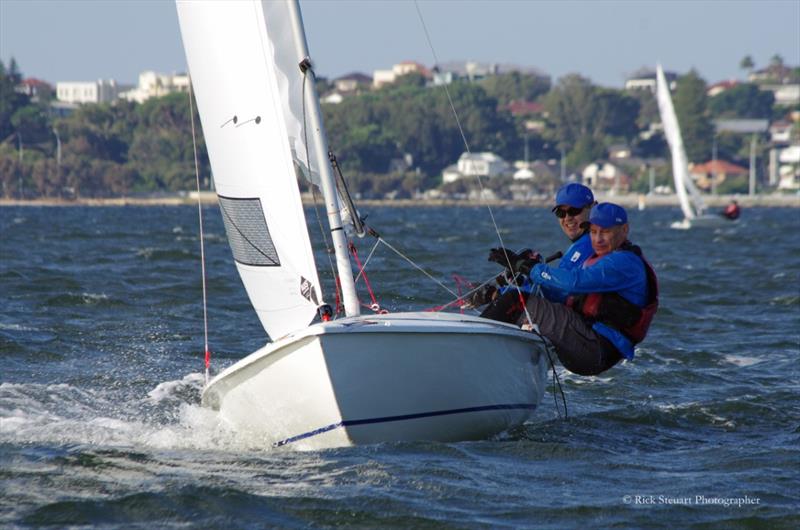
x=741 y=360
x=163 y=419
x=169 y=389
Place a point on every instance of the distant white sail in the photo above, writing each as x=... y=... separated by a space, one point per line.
x=680 y=163
x=255 y=142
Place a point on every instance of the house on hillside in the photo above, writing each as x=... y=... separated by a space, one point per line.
x=774 y=73
x=620 y=152
x=100 y=91
x=787 y=95
x=602 y=175
x=531 y=112
x=385 y=77
x=154 y=85
x=715 y=172
x=34 y=88
x=347 y=85
x=645 y=79
x=789 y=169
x=352 y=82
x=720 y=87
x=780 y=132
x=476 y=165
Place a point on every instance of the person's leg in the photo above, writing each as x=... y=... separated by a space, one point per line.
x=580 y=348
x=506 y=308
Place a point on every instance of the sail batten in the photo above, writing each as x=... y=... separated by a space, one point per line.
x=255 y=144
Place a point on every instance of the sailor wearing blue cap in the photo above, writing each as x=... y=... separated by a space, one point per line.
x=573 y=203
x=610 y=299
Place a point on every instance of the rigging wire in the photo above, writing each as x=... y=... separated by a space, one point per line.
x=482 y=190
x=423 y=271
x=464 y=139
x=207 y=352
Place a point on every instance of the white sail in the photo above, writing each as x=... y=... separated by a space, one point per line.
x=680 y=163
x=251 y=115
x=353 y=380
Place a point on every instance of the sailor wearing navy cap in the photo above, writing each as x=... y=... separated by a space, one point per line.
x=573 y=203
x=610 y=299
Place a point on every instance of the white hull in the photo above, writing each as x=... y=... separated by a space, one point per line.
x=407 y=376
x=702 y=221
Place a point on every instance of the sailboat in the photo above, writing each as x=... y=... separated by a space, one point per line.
x=692 y=205
x=326 y=382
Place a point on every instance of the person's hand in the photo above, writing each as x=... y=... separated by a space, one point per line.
x=482 y=296
x=502 y=256
x=525 y=263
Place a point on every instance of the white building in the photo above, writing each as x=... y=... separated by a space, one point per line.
x=786 y=95
x=789 y=169
x=606 y=176
x=645 y=79
x=100 y=91
x=152 y=84
x=476 y=165
x=385 y=77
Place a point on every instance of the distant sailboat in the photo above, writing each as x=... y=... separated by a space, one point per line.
x=359 y=379
x=692 y=205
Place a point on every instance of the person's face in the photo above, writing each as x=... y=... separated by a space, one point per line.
x=571 y=222
x=606 y=240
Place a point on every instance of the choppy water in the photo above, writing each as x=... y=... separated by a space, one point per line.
x=101 y=339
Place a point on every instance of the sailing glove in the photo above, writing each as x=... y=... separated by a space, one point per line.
x=482 y=296
x=502 y=256
x=524 y=264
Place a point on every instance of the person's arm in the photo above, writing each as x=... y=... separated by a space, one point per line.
x=614 y=272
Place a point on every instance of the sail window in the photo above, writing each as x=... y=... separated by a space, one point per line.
x=248 y=233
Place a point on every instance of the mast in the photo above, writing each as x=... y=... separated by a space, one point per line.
x=351 y=306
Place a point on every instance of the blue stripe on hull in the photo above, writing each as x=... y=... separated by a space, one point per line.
x=386 y=419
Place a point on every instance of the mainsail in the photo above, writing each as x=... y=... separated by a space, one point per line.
x=680 y=163
x=244 y=68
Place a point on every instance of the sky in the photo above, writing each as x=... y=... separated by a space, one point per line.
x=606 y=41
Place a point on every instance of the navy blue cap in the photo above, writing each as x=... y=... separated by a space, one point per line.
x=574 y=194
x=608 y=214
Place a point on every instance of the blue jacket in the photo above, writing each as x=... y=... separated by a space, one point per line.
x=578 y=252
x=620 y=271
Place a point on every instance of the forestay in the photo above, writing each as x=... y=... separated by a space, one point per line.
x=250 y=101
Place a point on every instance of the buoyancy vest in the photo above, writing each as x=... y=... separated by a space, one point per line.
x=615 y=310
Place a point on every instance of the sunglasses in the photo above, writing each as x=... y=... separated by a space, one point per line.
x=571 y=211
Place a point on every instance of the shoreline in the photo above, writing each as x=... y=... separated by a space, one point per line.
x=629 y=200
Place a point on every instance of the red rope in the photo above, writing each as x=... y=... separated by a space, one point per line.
x=375 y=306
x=338 y=296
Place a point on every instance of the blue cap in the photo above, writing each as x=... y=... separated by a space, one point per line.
x=608 y=214
x=574 y=194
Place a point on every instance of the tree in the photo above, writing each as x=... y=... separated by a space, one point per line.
x=33 y=123
x=366 y=148
x=747 y=64
x=691 y=108
x=512 y=86
x=742 y=101
x=161 y=149
x=10 y=100
x=586 y=117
